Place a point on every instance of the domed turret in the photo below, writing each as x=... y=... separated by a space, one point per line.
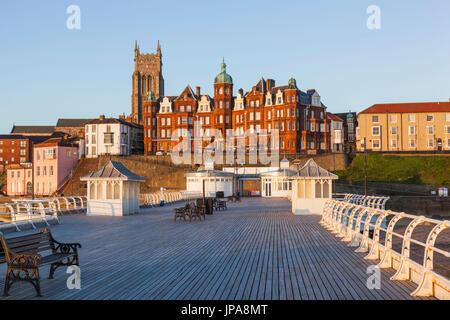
x=223 y=76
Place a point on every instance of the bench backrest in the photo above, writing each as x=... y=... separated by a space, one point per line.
x=31 y=243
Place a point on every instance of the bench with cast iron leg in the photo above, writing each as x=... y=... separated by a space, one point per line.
x=24 y=256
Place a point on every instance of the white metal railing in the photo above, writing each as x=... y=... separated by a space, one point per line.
x=377 y=202
x=353 y=222
x=154 y=199
x=63 y=204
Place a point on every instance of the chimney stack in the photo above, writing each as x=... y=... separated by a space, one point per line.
x=197 y=91
x=102 y=117
x=270 y=84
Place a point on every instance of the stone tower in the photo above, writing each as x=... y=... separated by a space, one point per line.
x=147 y=76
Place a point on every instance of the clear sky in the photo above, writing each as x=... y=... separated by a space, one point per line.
x=50 y=72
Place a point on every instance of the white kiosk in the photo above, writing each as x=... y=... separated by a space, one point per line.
x=311 y=187
x=213 y=180
x=112 y=191
x=277 y=183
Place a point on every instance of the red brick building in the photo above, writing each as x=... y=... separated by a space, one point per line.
x=300 y=117
x=15 y=149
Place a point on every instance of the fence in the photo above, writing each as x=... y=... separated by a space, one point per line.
x=377 y=202
x=28 y=212
x=154 y=199
x=346 y=220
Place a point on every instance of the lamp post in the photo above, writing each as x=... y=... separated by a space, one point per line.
x=363 y=145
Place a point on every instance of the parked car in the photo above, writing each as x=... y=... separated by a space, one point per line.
x=161 y=153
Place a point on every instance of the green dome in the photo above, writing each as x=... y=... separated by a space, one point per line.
x=350 y=115
x=223 y=76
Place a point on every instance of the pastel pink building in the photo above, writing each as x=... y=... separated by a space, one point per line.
x=54 y=159
x=19 y=180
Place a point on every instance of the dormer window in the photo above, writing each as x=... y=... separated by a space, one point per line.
x=182 y=108
x=269 y=102
x=252 y=103
x=279 y=100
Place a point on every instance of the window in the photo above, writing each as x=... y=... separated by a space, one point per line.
x=44 y=171
x=357 y=131
x=38 y=171
x=23 y=144
x=258 y=116
x=412 y=143
x=447 y=129
x=375 y=119
x=393 y=118
x=50 y=153
x=251 y=116
x=394 y=143
x=375 y=131
x=394 y=130
x=269 y=115
x=376 y=144
x=412 y=130
x=430 y=130
x=447 y=117
x=430 y=117
x=51 y=170
x=411 y=118
x=430 y=143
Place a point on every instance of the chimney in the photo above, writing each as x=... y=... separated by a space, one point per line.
x=270 y=84
x=102 y=117
x=197 y=91
x=122 y=116
x=241 y=92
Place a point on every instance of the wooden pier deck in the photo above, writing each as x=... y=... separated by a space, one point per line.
x=255 y=250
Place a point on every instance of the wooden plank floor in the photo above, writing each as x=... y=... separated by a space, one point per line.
x=255 y=250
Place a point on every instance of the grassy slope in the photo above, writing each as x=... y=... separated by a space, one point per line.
x=428 y=170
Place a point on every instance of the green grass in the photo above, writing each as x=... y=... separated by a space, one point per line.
x=425 y=170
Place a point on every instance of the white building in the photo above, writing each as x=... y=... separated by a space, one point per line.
x=214 y=181
x=336 y=133
x=110 y=136
x=277 y=183
x=312 y=187
x=112 y=191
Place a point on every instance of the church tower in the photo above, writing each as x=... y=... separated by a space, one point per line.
x=147 y=76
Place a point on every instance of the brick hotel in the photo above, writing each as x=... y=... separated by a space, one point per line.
x=300 y=117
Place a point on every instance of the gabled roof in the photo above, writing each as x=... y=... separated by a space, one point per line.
x=420 y=107
x=312 y=170
x=113 y=170
x=334 y=117
x=190 y=93
x=33 y=129
x=72 y=122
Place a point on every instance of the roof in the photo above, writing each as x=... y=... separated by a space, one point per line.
x=209 y=173
x=32 y=129
x=113 y=121
x=312 y=170
x=12 y=136
x=72 y=122
x=223 y=76
x=57 y=141
x=420 y=107
x=280 y=172
x=334 y=117
x=113 y=170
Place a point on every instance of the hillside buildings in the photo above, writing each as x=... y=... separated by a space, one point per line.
x=54 y=160
x=300 y=117
x=110 y=136
x=405 y=128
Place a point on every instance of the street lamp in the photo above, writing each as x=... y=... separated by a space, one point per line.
x=363 y=145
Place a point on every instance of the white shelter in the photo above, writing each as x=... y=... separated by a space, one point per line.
x=277 y=183
x=112 y=191
x=214 y=181
x=311 y=188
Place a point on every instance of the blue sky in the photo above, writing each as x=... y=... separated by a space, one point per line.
x=50 y=72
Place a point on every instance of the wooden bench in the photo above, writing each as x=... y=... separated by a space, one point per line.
x=182 y=212
x=197 y=212
x=221 y=205
x=23 y=258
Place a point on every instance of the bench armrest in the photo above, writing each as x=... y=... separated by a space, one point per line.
x=18 y=260
x=65 y=247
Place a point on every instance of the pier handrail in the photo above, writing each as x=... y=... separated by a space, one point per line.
x=346 y=219
x=154 y=199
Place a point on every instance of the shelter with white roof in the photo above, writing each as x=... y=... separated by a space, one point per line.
x=312 y=187
x=112 y=191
